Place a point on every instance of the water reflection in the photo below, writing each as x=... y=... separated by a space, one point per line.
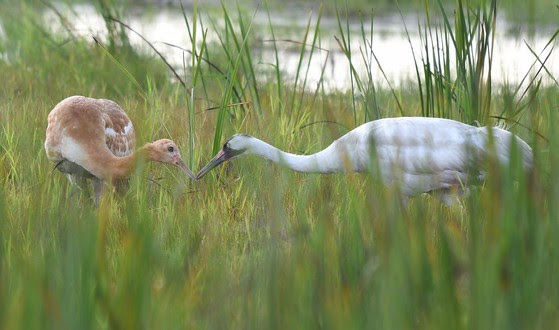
x=512 y=59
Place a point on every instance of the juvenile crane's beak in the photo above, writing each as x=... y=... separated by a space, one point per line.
x=180 y=164
x=218 y=159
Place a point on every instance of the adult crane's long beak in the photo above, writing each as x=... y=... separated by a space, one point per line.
x=180 y=164
x=218 y=159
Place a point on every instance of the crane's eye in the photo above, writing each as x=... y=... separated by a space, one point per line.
x=171 y=149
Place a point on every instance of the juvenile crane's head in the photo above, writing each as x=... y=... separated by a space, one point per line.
x=166 y=151
x=237 y=145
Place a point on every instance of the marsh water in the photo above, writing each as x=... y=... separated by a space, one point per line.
x=512 y=58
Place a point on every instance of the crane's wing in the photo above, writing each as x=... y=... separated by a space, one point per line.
x=87 y=132
x=75 y=134
x=424 y=145
x=119 y=131
x=423 y=154
x=428 y=154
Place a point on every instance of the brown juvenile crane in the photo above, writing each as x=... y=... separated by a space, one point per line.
x=93 y=139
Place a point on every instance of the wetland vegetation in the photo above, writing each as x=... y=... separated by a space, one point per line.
x=255 y=245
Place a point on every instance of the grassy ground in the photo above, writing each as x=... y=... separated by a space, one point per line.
x=255 y=245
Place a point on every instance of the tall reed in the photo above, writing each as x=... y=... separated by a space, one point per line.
x=258 y=246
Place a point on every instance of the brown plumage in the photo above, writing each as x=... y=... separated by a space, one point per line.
x=94 y=139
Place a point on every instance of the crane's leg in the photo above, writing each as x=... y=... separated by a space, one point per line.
x=77 y=180
x=79 y=184
x=98 y=188
x=122 y=186
x=450 y=196
x=447 y=197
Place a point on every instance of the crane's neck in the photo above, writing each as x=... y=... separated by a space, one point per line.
x=122 y=167
x=324 y=161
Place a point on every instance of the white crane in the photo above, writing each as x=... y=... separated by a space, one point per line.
x=423 y=155
x=94 y=139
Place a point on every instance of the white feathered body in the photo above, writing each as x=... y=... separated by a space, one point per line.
x=420 y=154
x=423 y=154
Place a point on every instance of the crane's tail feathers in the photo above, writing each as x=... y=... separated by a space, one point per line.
x=502 y=140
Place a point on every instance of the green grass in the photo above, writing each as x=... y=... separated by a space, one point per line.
x=254 y=245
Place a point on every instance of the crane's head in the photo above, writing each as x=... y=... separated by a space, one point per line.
x=237 y=145
x=166 y=151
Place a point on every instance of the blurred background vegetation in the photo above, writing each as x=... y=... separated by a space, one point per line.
x=255 y=245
